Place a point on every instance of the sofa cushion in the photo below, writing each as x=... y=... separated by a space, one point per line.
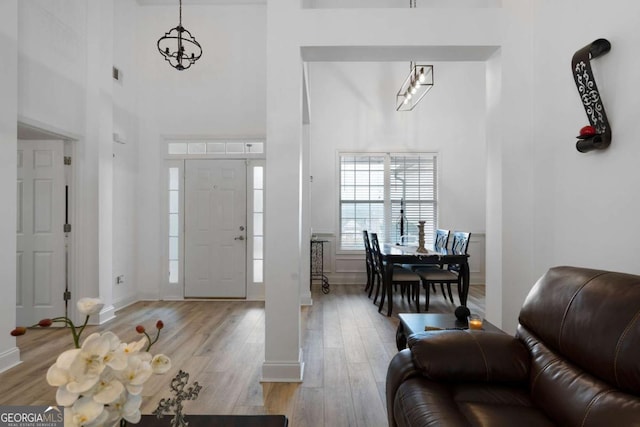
x=591 y=318
x=572 y=397
x=422 y=402
x=451 y=355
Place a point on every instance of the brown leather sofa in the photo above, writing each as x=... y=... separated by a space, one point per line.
x=575 y=361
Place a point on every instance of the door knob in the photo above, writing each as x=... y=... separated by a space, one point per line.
x=239 y=238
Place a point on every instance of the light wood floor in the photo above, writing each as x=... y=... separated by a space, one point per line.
x=347 y=347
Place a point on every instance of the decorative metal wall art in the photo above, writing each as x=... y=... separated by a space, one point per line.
x=596 y=136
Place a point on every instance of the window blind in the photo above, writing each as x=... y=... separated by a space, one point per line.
x=373 y=187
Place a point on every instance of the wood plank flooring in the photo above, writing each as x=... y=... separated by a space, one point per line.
x=347 y=347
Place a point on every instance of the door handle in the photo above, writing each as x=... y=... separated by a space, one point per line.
x=239 y=238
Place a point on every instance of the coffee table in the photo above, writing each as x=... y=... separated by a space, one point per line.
x=410 y=323
x=218 y=421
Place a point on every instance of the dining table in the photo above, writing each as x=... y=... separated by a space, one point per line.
x=394 y=254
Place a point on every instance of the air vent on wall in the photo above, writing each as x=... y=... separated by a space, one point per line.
x=117 y=75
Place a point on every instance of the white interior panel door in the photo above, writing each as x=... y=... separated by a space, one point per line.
x=40 y=235
x=215 y=218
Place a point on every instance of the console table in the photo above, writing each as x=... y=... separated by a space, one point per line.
x=411 y=323
x=317 y=265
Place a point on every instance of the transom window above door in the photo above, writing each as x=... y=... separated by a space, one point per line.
x=387 y=194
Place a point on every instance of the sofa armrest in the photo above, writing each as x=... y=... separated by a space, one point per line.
x=400 y=369
x=453 y=355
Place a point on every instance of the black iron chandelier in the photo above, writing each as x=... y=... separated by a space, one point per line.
x=179 y=47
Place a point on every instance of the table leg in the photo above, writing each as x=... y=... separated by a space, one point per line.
x=464 y=270
x=388 y=278
x=401 y=337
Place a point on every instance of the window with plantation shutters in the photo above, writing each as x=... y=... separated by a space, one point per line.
x=387 y=194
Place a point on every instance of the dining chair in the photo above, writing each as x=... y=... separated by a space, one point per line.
x=442 y=238
x=441 y=241
x=408 y=281
x=452 y=273
x=369 y=262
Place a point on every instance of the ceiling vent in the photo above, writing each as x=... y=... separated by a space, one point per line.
x=117 y=74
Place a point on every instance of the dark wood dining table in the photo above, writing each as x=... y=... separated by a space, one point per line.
x=398 y=254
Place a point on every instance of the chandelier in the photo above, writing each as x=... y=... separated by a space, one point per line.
x=179 y=47
x=415 y=87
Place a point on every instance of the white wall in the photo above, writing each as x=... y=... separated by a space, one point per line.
x=559 y=206
x=590 y=217
x=64 y=85
x=9 y=353
x=52 y=94
x=221 y=95
x=353 y=110
x=52 y=62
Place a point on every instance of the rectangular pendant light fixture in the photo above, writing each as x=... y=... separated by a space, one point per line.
x=415 y=87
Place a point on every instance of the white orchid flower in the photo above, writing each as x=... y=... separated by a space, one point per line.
x=58 y=373
x=84 y=411
x=100 y=383
x=133 y=417
x=108 y=390
x=136 y=373
x=90 y=361
x=102 y=419
x=135 y=346
x=89 y=306
x=69 y=386
x=116 y=357
x=128 y=407
x=160 y=364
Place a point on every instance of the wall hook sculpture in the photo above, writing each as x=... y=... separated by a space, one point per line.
x=596 y=136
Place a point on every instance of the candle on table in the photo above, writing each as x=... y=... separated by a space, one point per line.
x=475 y=321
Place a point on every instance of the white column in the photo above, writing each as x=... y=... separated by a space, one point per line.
x=305 y=219
x=9 y=353
x=99 y=142
x=511 y=257
x=283 y=355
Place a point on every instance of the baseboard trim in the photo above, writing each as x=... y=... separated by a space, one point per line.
x=107 y=314
x=125 y=302
x=9 y=359
x=283 y=372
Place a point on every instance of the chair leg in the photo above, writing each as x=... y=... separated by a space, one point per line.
x=368 y=285
x=443 y=294
x=384 y=293
x=449 y=291
x=427 y=292
x=416 y=292
x=377 y=288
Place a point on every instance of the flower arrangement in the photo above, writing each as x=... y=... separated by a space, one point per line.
x=100 y=381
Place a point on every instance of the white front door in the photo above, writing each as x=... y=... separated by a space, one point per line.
x=215 y=218
x=40 y=235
